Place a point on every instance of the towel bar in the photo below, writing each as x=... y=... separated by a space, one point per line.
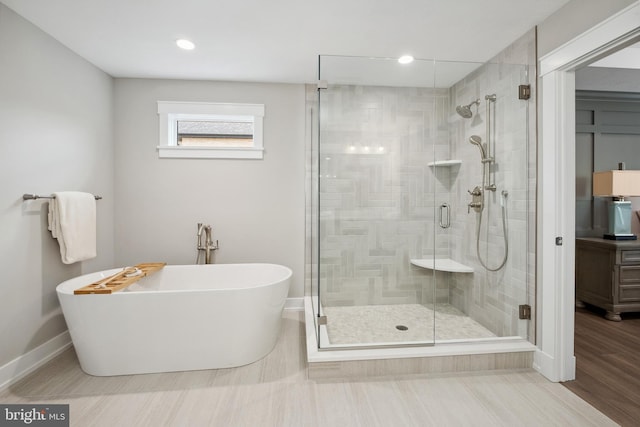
x=35 y=196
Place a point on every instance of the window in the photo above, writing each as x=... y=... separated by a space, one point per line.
x=227 y=133
x=210 y=130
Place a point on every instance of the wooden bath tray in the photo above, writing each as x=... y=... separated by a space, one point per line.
x=120 y=280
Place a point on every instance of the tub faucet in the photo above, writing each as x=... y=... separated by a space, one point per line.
x=207 y=246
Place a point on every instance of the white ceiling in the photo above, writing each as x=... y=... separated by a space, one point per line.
x=277 y=40
x=625 y=58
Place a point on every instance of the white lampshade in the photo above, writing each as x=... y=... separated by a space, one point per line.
x=616 y=183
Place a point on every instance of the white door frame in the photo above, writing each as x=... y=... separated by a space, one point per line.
x=556 y=187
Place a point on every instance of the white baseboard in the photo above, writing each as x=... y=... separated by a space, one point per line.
x=294 y=304
x=548 y=366
x=543 y=363
x=32 y=360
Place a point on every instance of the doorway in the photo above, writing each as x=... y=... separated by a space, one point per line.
x=556 y=188
x=606 y=351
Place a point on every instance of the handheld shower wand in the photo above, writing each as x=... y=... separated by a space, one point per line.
x=477 y=141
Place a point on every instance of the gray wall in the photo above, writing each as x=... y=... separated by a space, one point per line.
x=607 y=133
x=256 y=207
x=55 y=134
x=573 y=19
x=600 y=79
x=608 y=79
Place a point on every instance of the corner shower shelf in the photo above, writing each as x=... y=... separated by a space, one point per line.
x=442 y=264
x=446 y=163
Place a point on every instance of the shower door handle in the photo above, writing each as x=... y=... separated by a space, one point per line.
x=442 y=218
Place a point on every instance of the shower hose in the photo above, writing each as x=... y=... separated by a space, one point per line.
x=503 y=204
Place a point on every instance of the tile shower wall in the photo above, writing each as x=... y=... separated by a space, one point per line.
x=492 y=298
x=376 y=193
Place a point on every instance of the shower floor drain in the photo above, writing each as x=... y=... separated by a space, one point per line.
x=402 y=328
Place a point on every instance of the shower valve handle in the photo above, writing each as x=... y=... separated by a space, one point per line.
x=477 y=206
x=476 y=192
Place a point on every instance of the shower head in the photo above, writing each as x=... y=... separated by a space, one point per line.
x=476 y=140
x=465 y=110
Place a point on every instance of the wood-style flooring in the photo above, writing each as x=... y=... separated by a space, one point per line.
x=608 y=364
x=276 y=391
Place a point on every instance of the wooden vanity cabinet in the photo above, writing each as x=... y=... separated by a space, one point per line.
x=608 y=275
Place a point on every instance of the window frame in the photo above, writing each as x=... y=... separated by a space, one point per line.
x=170 y=112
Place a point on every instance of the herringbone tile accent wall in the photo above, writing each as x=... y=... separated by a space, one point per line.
x=377 y=192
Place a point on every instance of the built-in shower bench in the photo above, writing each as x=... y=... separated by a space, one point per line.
x=442 y=264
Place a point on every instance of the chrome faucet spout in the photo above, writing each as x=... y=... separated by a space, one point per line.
x=207 y=244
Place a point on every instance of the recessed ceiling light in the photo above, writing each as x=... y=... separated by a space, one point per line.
x=405 y=59
x=185 y=44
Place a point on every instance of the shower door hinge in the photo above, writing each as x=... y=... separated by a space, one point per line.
x=525 y=311
x=524 y=91
x=322 y=320
x=322 y=84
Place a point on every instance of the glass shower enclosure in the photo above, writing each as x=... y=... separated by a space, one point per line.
x=419 y=202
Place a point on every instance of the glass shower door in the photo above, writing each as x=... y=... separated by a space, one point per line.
x=422 y=196
x=488 y=179
x=376 y=210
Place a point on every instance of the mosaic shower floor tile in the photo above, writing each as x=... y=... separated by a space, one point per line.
x=399 y=323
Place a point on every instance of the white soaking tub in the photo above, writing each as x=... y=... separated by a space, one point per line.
x=183 y=317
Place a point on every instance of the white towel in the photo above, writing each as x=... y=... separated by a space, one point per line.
x=72 y=220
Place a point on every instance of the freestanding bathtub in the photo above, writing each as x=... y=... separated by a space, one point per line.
x=183 y=317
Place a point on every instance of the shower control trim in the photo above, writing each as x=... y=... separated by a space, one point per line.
x=476 y=206
x=476 y=201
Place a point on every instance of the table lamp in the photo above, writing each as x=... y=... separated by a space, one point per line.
x=617 y=184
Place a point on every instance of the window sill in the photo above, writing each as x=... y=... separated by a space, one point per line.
x=209 y=153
